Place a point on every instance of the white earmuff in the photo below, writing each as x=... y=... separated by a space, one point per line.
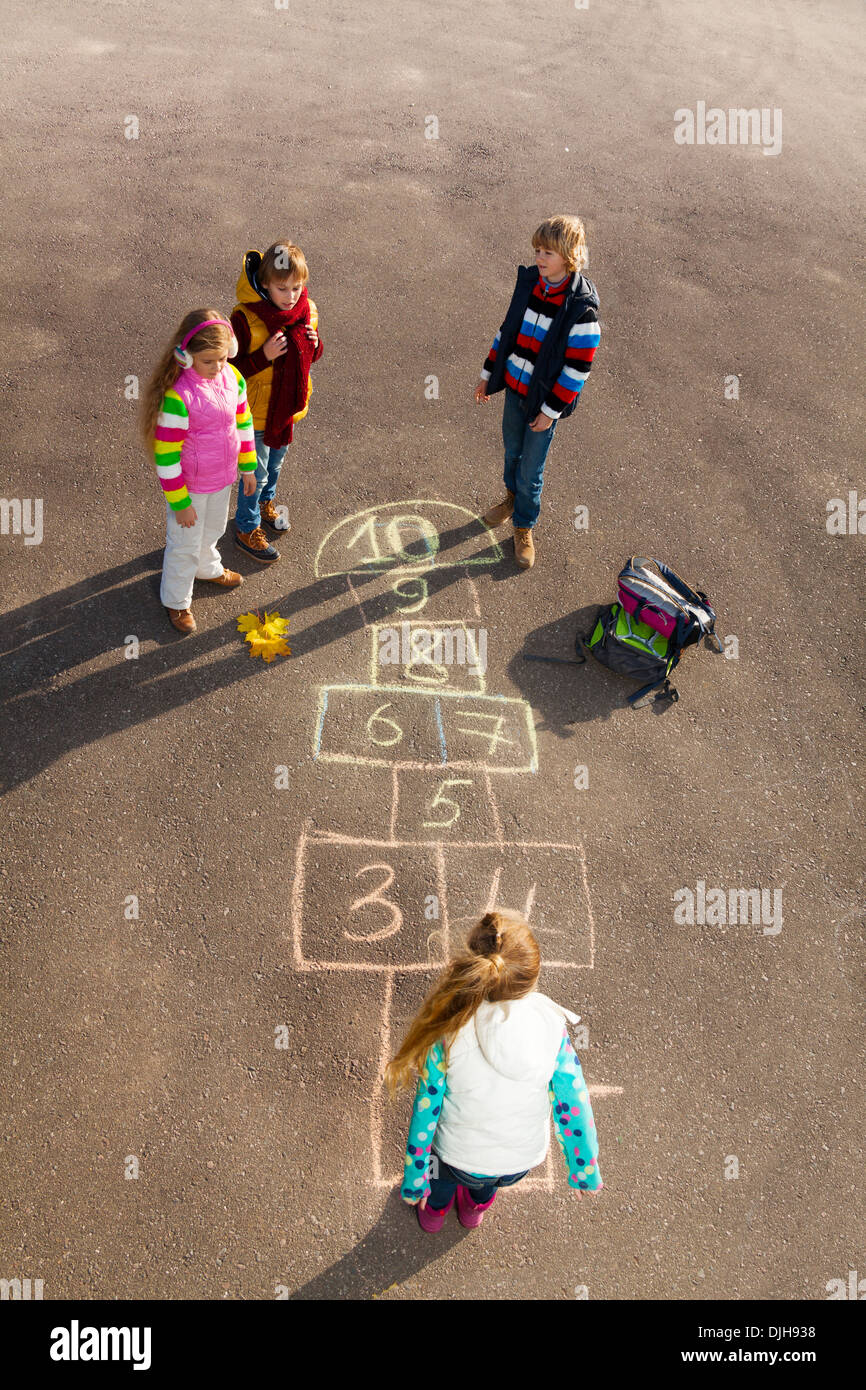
x=182 y=353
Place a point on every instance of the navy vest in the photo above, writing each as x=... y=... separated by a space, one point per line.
x=581 y=295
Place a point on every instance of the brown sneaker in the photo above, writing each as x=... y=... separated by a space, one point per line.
x=257 y=546
x=182 y=619
x=269 y=513
x=501 y=512
x=229 y=579
x=524 y=548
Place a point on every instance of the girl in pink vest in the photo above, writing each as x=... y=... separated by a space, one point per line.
x=494 y=1059
x=196 y=419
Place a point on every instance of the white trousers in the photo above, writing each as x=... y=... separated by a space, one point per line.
x=191 y=551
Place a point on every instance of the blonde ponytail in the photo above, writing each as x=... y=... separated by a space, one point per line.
x=501 y=961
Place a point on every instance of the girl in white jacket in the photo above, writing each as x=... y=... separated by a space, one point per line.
x=493 y=1057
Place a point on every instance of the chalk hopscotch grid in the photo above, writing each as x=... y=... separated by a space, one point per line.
x=440 y=848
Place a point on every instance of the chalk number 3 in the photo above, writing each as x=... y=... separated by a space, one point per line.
x=395 y=916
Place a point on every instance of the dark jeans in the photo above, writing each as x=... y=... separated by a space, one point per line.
x=268 y=464
x=525 y=453
x=480 y=1187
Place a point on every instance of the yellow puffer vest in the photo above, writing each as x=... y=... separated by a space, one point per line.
x=259 y=386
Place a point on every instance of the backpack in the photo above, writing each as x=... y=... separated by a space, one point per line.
x=643 y=635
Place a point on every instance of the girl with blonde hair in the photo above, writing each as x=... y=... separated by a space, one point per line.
x=196 y=420
x=493 y=1057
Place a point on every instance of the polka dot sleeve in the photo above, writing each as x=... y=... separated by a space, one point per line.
x=422 y=1127
x=573 y=1122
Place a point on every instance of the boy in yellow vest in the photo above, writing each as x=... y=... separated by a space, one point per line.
x=276 y=325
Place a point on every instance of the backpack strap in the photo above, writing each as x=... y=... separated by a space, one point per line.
x=687 y=592
x=667 y=692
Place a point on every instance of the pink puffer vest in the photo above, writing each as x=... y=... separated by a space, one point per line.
x=212 y=444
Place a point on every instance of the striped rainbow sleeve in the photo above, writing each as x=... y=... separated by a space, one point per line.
x=247 y=455
x=171 y=427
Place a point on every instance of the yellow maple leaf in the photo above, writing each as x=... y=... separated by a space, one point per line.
x=265 y=634
x=278 y=625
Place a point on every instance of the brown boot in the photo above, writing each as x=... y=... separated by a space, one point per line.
x=501 y=512
x=229 y=579
x=182 y=619
x=257 y=546
x=269 y=513
x=524 y=548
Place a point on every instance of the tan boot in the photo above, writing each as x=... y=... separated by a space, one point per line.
x=501 y=512
x=524 y=547
x=229 y=579
x=182 y=619
x=269 y=513
x=257 y=546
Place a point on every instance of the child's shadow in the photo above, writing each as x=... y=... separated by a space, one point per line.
x=567 y=695
x=394 y=1250
x=55 y=707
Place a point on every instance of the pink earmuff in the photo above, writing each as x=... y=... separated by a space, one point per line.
x=185 y=358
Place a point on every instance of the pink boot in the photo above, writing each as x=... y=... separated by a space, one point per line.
x=470 y=1214
x=431 y=1220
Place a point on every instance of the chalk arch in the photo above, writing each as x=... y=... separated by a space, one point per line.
x=402 y=537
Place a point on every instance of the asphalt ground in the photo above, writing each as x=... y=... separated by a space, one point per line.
x=266 y=1168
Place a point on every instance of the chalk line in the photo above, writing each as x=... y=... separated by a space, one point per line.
x=378 y=1096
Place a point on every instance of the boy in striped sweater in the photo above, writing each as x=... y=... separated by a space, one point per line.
x=541 y=357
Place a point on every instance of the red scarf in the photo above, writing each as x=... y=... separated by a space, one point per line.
x=291 y=371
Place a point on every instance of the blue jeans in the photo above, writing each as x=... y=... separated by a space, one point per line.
x=481 y=1188
x=268 y=464
x=525 y=452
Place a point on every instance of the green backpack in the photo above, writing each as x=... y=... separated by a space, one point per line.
x=631 y=648
x=677 y=614
x=677 y=617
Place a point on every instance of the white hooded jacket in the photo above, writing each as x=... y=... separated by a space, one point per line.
x=495 y=1116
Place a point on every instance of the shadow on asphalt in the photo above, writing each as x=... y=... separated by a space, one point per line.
x=43 y=641
x=565 y=696
x=391 y=1253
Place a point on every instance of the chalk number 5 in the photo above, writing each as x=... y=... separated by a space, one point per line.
x=441 y=800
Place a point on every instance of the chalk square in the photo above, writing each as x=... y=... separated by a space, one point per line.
x=369 y=905
x=495 y=732
x=440 y=806
x=378 y=726
x=546 y=882
x=430 y=656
